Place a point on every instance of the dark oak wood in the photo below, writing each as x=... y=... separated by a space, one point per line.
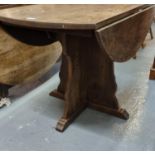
x=83 y=84
x=152 y=71
x=151 y=33
x=93 y=83
x=4 y=6
x=60 y=16
x=91 y=44
x=120 y=113
x=121 y=40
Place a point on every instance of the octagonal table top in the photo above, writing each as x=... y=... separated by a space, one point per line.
x=68 y=16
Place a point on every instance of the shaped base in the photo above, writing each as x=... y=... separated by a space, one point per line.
x=63 y=123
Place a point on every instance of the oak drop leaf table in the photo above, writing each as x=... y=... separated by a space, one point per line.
x=92 y=38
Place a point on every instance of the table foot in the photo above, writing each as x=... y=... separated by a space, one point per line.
x=152 y=74
x=121 y=113
x=64 y=122
x=152 y=71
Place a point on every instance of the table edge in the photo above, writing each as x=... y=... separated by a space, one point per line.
x=70 y=26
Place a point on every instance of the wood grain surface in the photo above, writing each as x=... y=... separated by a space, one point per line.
x=122 y=39
x=68 y=16
x=21 y=63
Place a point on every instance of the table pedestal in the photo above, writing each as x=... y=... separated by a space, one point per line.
x=86 y=80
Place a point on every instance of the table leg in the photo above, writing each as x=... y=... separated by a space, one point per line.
x=90 y=80
x=151 y=33
x=4 y=90
x=63 y=74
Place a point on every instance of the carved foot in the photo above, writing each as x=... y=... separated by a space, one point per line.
x=121 y=113
x=64 y=122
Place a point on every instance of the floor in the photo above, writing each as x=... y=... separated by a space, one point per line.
x=28 y=123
